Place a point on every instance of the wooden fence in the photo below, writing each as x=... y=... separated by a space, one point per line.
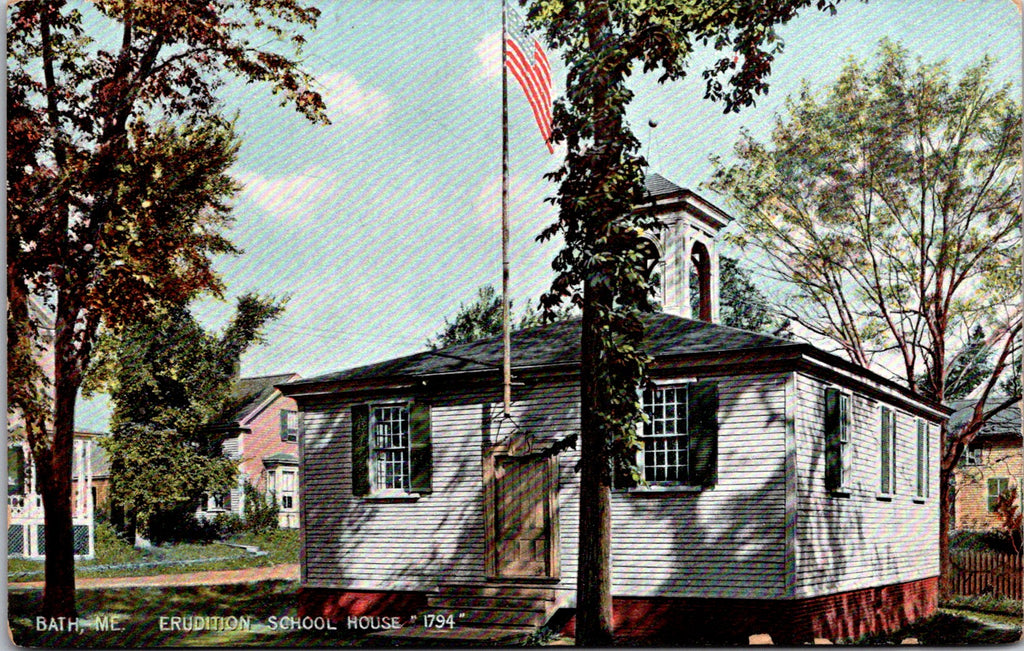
x=975 y=573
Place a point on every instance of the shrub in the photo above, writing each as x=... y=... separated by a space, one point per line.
x=988 y=540
x=261 y=510
x=226 y=524
x=985 y=603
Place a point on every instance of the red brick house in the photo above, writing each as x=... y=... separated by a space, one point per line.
x=991 y=464
x=260 y=431
x=786 y=490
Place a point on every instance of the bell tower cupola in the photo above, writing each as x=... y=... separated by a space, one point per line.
x=688 y=249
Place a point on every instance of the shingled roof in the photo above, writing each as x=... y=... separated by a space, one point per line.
x=248 y=395
x=657 y=185
x=557 y=344
x=1005 y=423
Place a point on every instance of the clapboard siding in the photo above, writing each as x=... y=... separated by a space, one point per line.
x=728 y=541
x=725 y=542
x=858 y=540
x=359 y=543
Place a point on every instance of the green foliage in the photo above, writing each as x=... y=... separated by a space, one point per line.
x=227 y=524
x=890 y=206
x=985 y=603
x=743 y=304
x=261 y=510
x=478 y=320
x=967 y=369
x=169 y=381
x=118 y=188
x=985 y=540
x=482 y=318
x=604 y=267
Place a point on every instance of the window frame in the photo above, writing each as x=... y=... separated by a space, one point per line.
x=844 y=441
x=290 y=434
x=373 y=451
x=292 y=493
x=887 y=438
x=643 y=436
x=922 y=470
x=990 y=499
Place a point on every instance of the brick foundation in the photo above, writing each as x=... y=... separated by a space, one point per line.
x=338 y=604
x=845 y=615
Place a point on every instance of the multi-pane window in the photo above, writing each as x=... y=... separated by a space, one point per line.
x=838 y=441
x=887 y=455
x=289 y=425
x=389 y=447
x=286 y=485
x=665 y=456
x=282 y=485
x=996 y=487
x=922 y=459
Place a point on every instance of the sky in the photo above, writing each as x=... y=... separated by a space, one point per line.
x=379 y=226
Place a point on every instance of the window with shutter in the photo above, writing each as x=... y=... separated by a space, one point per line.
x=921 y=483
x=680 y=439
x=391 y=449
x=289 y=425
x=838 y=441
x=887 y=453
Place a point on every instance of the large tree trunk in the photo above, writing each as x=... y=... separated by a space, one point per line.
x=945 y=500
x=593 y=581
x=55 y=487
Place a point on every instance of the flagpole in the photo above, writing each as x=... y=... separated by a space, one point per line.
x=506 y=358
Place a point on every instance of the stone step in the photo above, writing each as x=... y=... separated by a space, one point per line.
x=455 y=602
x=502 y=590
x=493 y=605
x=500 y=617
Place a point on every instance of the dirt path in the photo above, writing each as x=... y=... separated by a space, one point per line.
x=289 y=571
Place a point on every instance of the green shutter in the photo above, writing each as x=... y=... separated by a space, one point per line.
x=284 y=424
x=703 y=430
x=922 y=459
x=420 y=449
x=885 y=447
x=361 y=450
x=833 y=446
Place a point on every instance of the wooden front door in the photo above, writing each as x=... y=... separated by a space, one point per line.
x=522 y=537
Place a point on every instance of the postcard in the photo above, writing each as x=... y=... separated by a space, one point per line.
x=491 y=323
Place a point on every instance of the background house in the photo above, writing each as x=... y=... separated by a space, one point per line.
x=260 y=429
x=991 y=464
x=786 y=490
x=26 y=529
x=98 y=484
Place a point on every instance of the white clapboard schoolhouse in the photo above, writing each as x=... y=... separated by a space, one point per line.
x=787 y=491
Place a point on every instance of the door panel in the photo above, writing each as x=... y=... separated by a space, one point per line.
x=522 y=517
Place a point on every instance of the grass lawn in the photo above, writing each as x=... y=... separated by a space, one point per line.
x=139 y=612
x=281 y=545
x=953 y=628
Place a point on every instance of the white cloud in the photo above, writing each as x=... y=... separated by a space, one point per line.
x=291 y=194
x=345 y=97
x=488 y=52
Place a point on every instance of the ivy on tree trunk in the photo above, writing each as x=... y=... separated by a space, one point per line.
x=603 y=267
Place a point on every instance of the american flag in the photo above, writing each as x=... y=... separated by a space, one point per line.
x=526 y=60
